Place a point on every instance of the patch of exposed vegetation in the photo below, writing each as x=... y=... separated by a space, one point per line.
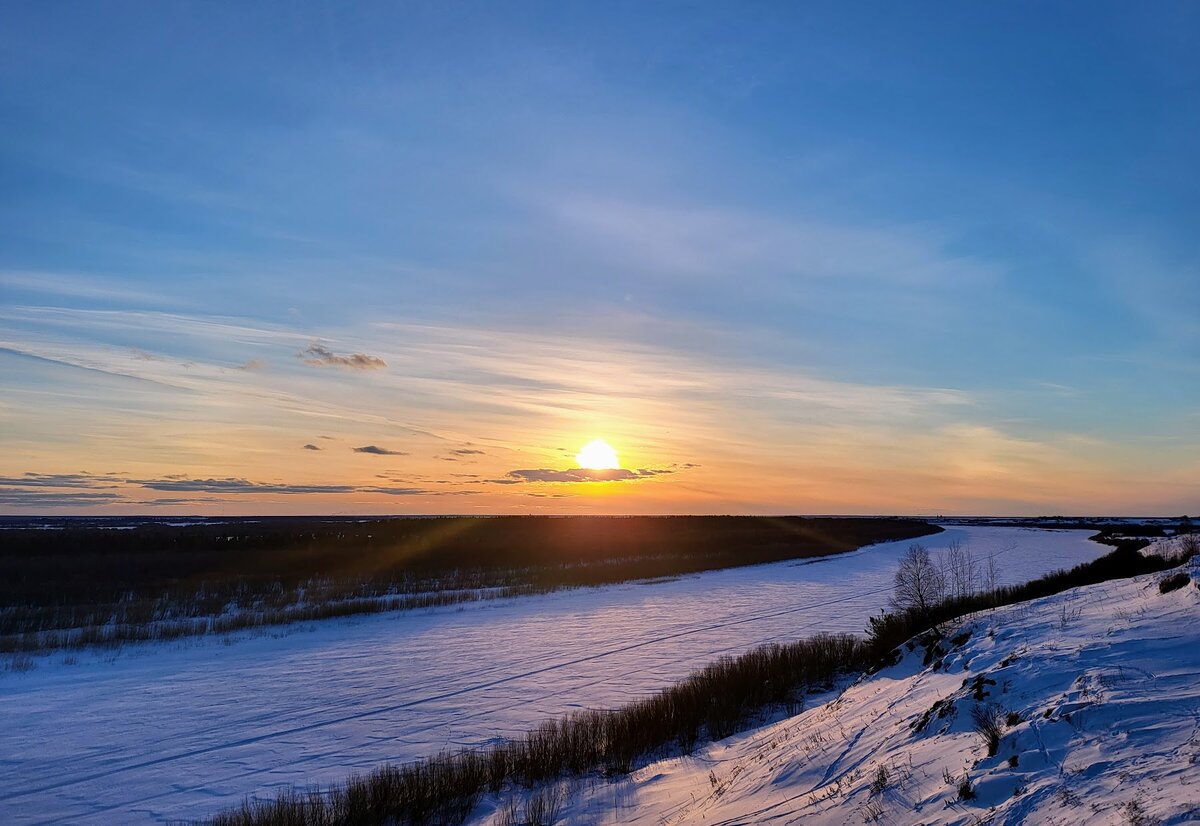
x=1173 y=582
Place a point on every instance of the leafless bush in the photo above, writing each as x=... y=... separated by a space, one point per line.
x=544 y=806
x=988 y=720
x=879 y=783
x=510 y=813
x=1135 y=815
x=1067 y=614
x=1187 y=546
x=965 y=790
x=1173 y=582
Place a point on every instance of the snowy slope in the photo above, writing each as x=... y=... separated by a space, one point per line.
x=1105 y=681
x=180 y=730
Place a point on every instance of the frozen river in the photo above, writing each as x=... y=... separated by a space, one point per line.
x=180 y=730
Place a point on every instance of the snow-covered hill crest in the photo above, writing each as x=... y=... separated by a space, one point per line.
x=1092 y=698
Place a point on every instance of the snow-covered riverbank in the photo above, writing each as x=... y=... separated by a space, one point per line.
x=1103 y=687
x=179 y=730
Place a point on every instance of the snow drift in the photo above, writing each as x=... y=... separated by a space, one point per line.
x=1083 y=707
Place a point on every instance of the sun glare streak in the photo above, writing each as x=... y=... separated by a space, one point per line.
x=598 y=455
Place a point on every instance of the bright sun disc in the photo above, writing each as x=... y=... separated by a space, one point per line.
x=598 y=455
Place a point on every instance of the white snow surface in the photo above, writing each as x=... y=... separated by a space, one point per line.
x=1105 y=681
x=166 y=731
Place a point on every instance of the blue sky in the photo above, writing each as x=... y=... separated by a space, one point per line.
x=793 y=258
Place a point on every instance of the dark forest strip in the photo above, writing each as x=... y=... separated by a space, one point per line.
x=89 y=586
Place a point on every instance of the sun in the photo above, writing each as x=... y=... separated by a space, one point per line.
x=598 y=455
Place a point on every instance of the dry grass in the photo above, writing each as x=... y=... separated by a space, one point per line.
x=712 y=703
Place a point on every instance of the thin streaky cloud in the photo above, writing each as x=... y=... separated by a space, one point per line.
x=62 y=480
x=44 y=499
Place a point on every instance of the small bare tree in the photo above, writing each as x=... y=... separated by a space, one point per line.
x=919 y=583
x=991 y=574
x=960 y=573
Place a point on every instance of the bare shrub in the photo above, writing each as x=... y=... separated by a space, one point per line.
x=988 y=721
x=1187 y=546
x=1067 y=614
x=544 y=806
x=1135 y=815
x=965 y=790
x=879 y=783
x=509 y=814
x=1173 y=582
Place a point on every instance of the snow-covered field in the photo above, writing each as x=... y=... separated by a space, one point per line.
x=177 y=730
x=1105 y=681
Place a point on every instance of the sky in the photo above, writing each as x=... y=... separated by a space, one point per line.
x=318 y=257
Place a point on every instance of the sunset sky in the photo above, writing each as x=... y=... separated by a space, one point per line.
x=783 y=258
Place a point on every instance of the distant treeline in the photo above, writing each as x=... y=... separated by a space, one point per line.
x=76 y=586
x=1153 y=527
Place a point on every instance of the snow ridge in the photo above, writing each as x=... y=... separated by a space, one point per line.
x=1094 y=695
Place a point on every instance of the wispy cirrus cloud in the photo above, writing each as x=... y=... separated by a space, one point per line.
x=705 y=240
x=318 y=355
x=62 y=480
x=753 y=423
x=86 y=490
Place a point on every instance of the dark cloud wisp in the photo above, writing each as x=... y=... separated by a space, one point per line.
x=376 y=450
x=41 y=498
x=581 y=474
x=318 y=355
x=235 y=485
x=61 y=480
